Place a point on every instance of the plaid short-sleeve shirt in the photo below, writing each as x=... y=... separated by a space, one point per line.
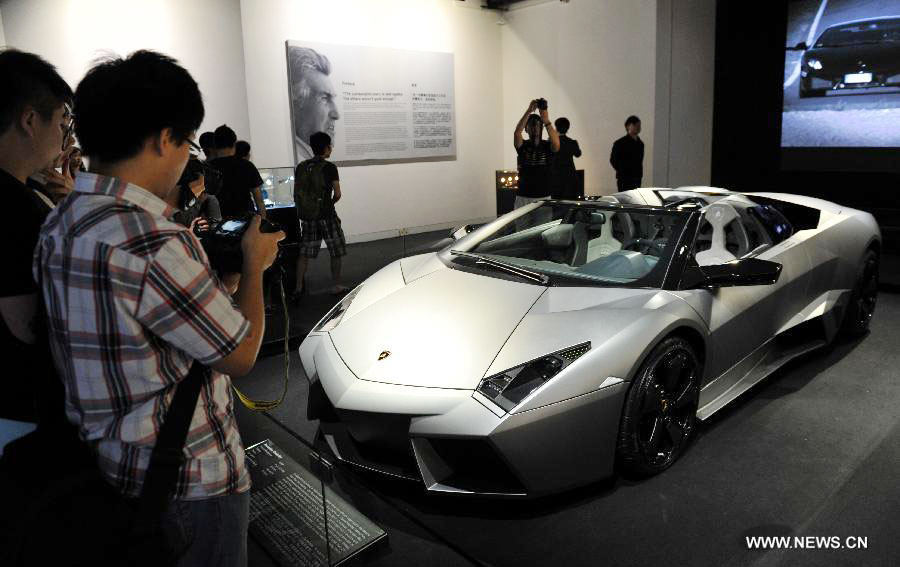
x=131 y=303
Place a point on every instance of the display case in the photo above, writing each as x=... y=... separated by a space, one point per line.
x=278 y=186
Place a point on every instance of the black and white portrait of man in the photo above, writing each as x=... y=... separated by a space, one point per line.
x=313 y=98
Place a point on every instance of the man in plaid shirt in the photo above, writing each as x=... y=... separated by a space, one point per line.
x=132 y=302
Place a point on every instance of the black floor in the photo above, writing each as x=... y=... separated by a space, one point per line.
x=813 y=451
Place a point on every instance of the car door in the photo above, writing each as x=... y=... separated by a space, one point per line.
x=742 y=319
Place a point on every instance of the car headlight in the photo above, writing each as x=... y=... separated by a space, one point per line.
x=331 y=320
x=507 y=389
x=814 y=63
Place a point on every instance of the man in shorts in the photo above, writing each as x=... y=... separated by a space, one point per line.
x=317 y=188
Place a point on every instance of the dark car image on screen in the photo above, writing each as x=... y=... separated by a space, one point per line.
x=861 y=54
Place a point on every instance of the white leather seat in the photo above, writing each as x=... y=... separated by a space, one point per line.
x=718 y=215
x=605 y=244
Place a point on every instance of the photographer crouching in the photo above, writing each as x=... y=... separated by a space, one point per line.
x=535 y=154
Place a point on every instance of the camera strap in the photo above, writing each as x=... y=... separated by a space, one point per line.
x=266 y=405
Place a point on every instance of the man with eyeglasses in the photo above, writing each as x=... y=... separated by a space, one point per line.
x=35 y=120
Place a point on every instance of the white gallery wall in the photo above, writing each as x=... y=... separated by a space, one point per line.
x=203 y=35
x=597 y=61
x=594 y=61
x=380 y=199
x=685 y=72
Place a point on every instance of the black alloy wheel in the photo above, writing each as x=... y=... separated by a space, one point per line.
x=863 y=298
x=660 y=411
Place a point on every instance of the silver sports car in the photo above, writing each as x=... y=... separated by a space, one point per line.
x=539 y=351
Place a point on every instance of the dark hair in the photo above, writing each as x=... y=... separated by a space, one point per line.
x=632 y=120
x=207 y=140
x=28 y=80
x=532 y=118
x=562 y=124
x=225 y=137
x=242 y=149
x=122 y=102
x=319 y=142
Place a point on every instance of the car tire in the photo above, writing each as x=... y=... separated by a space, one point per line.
x=863 y=297
x=660 y=411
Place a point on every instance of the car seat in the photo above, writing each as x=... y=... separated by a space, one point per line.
x=558 y=242
x=719 y=216
x=606 y=243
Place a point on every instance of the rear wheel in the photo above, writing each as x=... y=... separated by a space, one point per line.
x=661 y=409
x=863 y=297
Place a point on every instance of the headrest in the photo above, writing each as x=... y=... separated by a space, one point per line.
x=559 y=236
x=720 y=214
x=597 y=219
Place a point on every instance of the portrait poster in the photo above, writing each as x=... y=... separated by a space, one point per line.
x=375 y=103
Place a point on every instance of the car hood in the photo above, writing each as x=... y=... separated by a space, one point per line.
x=441 y=330
x=875 y=57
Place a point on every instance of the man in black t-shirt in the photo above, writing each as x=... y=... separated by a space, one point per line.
x=627 y=156
x=317 y=188
x=35 y=119
x=241 y=189
x=207 y=141
x=534 y=155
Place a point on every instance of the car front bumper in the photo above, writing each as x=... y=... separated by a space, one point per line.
x=458 y=441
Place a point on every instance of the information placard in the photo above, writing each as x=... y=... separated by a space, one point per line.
x=375 y=103
x=288 y=519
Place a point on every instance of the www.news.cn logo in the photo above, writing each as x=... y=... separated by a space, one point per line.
x=806 y=542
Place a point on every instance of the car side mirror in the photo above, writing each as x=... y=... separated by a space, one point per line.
x=458 y=232
x=749 y=271
x=799 y=47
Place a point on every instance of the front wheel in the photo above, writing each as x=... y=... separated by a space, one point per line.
x=661 y=409
x=859 y=312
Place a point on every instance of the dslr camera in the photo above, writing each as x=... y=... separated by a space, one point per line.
x=541 y=103
x=222 y=242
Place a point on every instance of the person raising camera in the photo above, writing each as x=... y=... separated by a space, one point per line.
x=535 y=153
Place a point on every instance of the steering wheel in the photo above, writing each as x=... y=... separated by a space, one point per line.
x=642 y=245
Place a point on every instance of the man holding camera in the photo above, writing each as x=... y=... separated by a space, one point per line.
x=132 y=303
x=535 y=154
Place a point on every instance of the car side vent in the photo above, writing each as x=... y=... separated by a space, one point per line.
x=574 y=353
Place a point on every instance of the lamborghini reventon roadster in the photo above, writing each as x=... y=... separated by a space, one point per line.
x=862 y=54
x=539 y=351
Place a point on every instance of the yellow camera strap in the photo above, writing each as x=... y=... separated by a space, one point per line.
x=266 y=405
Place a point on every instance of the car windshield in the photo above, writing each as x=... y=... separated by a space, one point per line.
x=861 y=33
x=578 y=243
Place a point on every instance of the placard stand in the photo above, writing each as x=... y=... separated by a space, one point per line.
x=299 y=520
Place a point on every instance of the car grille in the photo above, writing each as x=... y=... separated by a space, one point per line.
x=465 y=465
x=379 y=442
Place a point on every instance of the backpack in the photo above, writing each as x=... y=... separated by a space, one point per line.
x=311 y=197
